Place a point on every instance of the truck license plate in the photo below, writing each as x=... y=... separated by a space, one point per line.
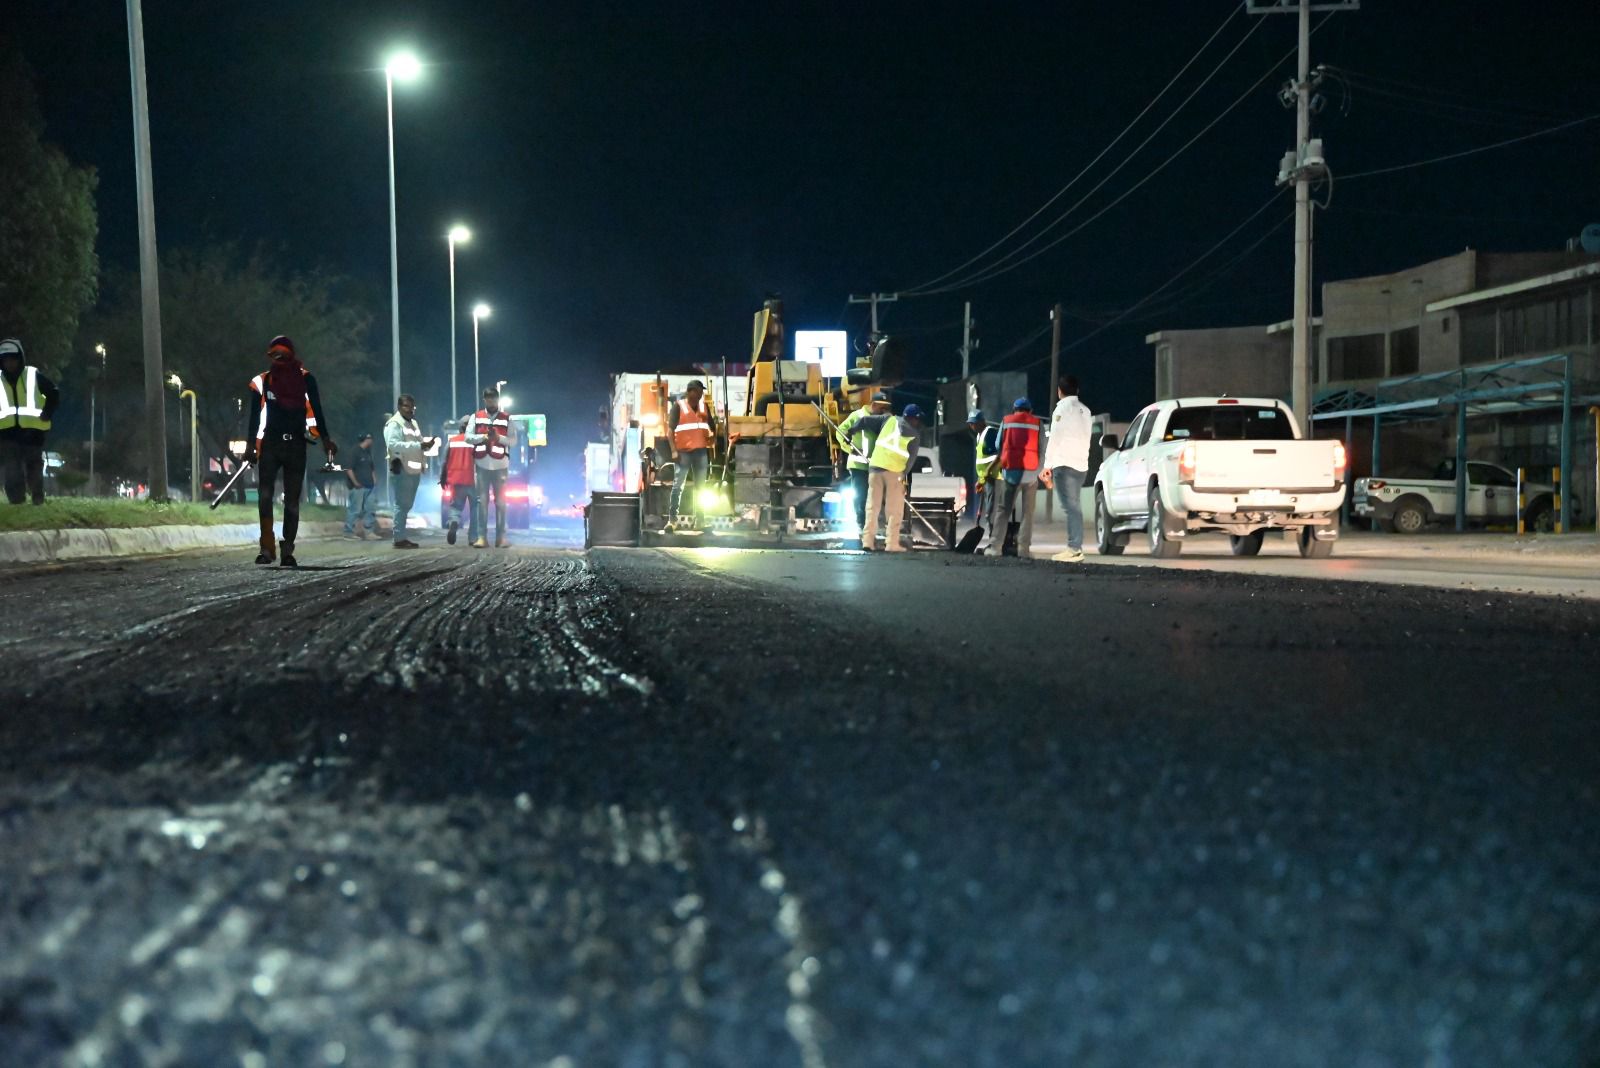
x=1264 y=497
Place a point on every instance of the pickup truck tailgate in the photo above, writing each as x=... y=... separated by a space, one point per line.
x=1241 y=466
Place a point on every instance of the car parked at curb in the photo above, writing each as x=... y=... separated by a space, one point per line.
x=1408 y=505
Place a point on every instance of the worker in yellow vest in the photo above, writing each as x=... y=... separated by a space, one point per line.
x=856 y=441
x=27 y=401
x=894 y=454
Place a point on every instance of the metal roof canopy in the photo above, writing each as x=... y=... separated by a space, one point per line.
x=1532 y=384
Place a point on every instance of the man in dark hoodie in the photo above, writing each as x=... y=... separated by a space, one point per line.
x=286 y=411
x=27 y=401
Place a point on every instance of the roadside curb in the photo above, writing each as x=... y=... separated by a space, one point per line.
x=60 y=546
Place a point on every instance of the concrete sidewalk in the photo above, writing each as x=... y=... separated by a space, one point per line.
x=60 y=546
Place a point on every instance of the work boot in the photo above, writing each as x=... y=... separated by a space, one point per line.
x=500 y=541
x=450 y=535
x=286 y=559
x=481 y=543
x=269 y=548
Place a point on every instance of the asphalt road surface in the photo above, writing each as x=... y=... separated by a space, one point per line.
x=701 y=807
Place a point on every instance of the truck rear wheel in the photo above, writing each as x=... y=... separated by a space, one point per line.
x=1313 y=547
x=1247 y=544
x=1410 y=516
x=1162 y=546
x=1109 y=543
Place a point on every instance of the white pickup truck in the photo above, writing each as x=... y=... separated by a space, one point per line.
x=1406 y=505
x=1234 y=464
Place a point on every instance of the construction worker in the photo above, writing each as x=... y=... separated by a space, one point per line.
x=288 y=415
x=1019 y=470
x=692 y=433
x=491 y=433
x=894 y=454
x=359 y=518
x=856 y=443
x=27 y=401
x=403 y=440
x=986 y=457
x=458 y=480
x=1066 y=459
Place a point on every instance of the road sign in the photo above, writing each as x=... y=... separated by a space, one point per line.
x=535 y=427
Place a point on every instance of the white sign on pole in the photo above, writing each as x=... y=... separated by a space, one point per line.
x=830 y=348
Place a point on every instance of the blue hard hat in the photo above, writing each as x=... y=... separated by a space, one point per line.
x=911 y=412
x=1022 y=404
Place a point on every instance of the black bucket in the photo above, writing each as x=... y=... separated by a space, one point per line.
x=611 y=519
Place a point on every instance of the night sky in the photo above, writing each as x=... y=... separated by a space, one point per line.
x=638 y=176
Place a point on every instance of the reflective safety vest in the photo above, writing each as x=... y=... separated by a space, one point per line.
x=413 y=435
x=852 y=439
x=258 y=385
x=23 y=406
x=481 y=423
x=694 y=428
x=986 y=459
x=1019 y=442
x=459 y=467
x=893 y=450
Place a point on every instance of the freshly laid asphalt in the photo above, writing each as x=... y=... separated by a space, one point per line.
x=711 y=807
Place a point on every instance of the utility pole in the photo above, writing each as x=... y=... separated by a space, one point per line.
x=1050 y=391
x=967 y=339
x=155 y=401
x=1302 y=165
x=875 y=299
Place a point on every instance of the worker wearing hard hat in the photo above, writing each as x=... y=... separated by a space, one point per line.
x=856 y=441
x=1019 y=470
x=986 y=460
x=692 y=433
x=894 y=454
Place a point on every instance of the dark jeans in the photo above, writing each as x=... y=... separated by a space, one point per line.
x=24 y=471
x=860 y=484
x=693 y=465
x=289 y=459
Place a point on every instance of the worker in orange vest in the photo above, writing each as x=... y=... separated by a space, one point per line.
x=692 y=433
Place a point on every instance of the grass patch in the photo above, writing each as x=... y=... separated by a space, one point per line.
x=98 y=513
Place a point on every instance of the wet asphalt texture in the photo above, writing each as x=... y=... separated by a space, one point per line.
x=640 y=807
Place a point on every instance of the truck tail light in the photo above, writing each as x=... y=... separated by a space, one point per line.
x=1186 y=463
x=1339 y=458
x=1376 y=483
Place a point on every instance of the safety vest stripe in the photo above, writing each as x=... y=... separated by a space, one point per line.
x=1025 y=427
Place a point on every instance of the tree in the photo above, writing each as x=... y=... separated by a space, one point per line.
x=219 y=309
x=48 y=268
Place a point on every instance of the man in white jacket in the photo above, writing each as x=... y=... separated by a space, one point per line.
x=1066 y=457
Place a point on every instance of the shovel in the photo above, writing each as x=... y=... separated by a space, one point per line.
x=243 y=467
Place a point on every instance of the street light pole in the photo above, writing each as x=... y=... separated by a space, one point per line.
x=93 y=387
x=155 y=398
x=405 y=67
x=458 y=235
x=479 y=313
x=194 y=444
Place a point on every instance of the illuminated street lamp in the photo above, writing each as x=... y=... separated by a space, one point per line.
x=194 y=435
x=401 y=67
x=480 y=312
x=459 y=235
x=97 y=374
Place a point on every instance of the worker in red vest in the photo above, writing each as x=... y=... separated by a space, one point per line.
x=458 y=480
x=492 y=434
x=1019 y=470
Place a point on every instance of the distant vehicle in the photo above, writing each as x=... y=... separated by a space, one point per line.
x=1407 y=505
x=1232 y=464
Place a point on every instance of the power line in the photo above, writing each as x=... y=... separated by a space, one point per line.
x=1087 y=167
x=1157 y=170
x=1471 y=151
x=1001 y=266
x=1148 y=297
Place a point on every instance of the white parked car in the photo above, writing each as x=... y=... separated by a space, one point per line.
x=1232 y=464
x=1406 y=505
